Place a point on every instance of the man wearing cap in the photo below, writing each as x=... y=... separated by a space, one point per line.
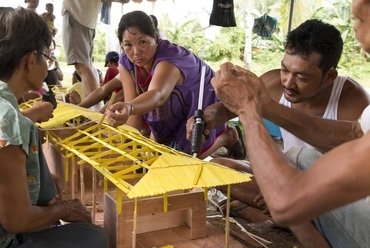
x=111 y=61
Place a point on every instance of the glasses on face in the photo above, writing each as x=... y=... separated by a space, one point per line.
x=52 y=63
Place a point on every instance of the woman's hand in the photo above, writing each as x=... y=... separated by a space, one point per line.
x=118 y=113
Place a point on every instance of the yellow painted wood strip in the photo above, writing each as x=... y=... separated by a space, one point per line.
x=107 y=148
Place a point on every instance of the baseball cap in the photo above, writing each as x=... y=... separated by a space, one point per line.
x=111 y=56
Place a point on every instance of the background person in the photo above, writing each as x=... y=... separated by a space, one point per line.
x=111 y=61
x=79 y=23
x=55 y=74
x=49 y=17
x=74 y=94
x=32 y=4
x=155 y=23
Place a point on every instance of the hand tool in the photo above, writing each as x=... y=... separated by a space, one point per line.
x=198 y=127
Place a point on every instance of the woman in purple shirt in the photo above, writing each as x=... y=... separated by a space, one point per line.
x=161 y=85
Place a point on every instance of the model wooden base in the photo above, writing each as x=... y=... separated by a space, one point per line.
x=184 y=209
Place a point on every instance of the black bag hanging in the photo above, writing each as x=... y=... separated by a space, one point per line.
x=223 y=13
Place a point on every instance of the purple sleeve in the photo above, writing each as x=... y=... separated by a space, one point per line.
x=125 y=62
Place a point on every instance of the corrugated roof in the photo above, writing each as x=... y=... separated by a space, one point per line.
x=118 y=154
x=170 y=173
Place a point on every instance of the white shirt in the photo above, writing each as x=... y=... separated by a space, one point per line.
x=84 y=11
x=365 y=119
x=331 y=112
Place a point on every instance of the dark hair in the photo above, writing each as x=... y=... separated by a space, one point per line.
x=155 y=21
x=138 y=19
x=316 y=36
x=49 y=5
x=21 y=31
x=78 y=77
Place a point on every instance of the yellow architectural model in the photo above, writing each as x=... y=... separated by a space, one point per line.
x=123 y=155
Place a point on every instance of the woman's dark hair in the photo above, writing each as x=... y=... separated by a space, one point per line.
x=155 y=21
x=21 y=31
x=138 y=19
x=316 y=36
x=78 y=77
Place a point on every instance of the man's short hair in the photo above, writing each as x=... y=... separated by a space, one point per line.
x=316 y=36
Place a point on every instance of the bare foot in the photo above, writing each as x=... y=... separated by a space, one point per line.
x=242 y=210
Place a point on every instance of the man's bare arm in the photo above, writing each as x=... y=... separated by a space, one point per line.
x=321 y=133
x=290 y=194
x=340 y=176
x=101 y=93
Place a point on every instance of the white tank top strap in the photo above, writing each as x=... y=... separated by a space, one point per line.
x=331 y=111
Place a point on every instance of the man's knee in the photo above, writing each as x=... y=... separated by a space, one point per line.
x=97 y=236
x=100 y=237
x=83 y=68
x=347 y=226
x=302 y=157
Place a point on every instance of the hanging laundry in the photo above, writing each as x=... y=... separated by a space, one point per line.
x=105 y=11
x=264 y=26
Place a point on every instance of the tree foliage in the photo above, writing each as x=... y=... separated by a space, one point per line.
x=229 y=43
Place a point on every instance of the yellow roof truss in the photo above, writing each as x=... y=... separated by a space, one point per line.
x=122 y=153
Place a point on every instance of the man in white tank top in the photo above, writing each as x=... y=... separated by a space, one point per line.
x=308 y=91
x=331 y=111
x=309 y=84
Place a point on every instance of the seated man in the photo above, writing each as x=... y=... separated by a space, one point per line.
x=309 y=86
